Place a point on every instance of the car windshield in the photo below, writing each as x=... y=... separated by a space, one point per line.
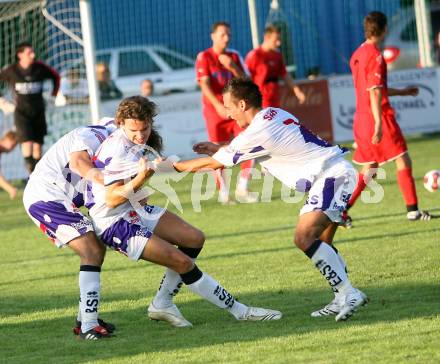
x=136 y=62
x=174 y=62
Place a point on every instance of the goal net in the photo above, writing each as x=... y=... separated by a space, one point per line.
x=53 y=27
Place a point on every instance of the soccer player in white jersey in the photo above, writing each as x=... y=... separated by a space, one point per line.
x=52 y=198
x=145 y=232
x=302 y=161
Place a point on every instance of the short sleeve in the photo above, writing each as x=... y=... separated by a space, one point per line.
x=245 y=146
x=88 y=139
x=375 y=72
x=202 y=66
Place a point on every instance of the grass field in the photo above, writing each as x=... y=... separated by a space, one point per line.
x=249 y=249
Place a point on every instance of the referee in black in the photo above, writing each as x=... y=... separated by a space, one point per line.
x=26 y=78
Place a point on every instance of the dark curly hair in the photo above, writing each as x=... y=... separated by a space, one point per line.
x=140 y=108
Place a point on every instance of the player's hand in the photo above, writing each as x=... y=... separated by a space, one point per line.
x=377 y=136
x=166 y=165
x=6 y=106
x=205 y=148
x=412 y=91
x=226 y=61
x=146 y=168
x=300 y=95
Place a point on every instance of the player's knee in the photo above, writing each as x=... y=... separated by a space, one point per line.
x=303 y=241
x=181 y=263
x=93 y=251
x=199 y=238
x=94 y=255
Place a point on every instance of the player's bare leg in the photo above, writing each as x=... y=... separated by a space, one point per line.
x=10 y=189
x=311 y=226
x=190 y=240
x=408 y=188
x=364 y=177
x=36 y=153
x=26 y=151
x=162 y=252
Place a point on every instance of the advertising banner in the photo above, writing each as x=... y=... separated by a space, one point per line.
x=315 y=112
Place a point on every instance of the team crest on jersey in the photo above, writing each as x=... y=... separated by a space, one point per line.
x=133 y=217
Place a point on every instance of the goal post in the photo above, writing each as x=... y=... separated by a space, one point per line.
x=61 y=32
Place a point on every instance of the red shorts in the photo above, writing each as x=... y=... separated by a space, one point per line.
x=392 y=145
x=220 y=130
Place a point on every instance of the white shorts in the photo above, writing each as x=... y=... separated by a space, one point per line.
x=332 y=190
x=130 y=234
x=54 y=212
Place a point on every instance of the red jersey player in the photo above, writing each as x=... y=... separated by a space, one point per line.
x=215 y=66
x=267 y=68
x=376 y=132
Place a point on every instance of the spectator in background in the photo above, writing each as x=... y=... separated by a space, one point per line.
x=7 y=144
x=74 y=89
x=215 y=66
x=267 y=68
x=107 y=87
x=147 y=88
x=25 y=78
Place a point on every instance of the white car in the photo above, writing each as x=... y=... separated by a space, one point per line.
x=169 y=70
x=401 y=48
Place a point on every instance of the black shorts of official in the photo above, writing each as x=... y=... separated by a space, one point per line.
x=30 y=128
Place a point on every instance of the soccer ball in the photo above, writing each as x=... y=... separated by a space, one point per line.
x=431 y=180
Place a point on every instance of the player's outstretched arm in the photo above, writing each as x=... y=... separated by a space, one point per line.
x=119 y=192
x=198 y=164
x=81 y=163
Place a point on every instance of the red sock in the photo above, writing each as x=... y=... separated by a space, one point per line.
x=407 y=187
x=358 y=190
x=218 y=175
x=246 y=167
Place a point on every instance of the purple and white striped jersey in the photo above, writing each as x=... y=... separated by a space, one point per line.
x=54 y=165
x=118 y=159
x=284 y=147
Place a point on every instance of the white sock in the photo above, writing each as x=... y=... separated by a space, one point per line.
x=242 y=184
x=338 y=294
x=223 y=182
x=208 y=288
x=169 y=287
x=326 y=260
x=89 y=287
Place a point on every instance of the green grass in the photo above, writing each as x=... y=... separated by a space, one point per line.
x=249 y=249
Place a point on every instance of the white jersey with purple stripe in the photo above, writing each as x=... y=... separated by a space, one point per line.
x=118 y=160
x=285 y=148
x=53 y=167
